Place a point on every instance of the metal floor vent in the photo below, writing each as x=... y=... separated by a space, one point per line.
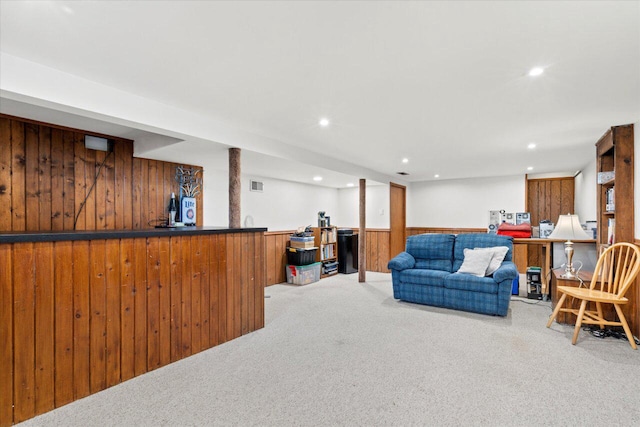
x=256 y=186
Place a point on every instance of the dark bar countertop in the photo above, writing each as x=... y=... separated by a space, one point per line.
x=55 y=236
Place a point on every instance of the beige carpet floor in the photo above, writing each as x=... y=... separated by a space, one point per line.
x=338 y=352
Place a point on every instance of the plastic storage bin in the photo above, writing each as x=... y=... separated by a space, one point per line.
x=302 y=242
x=303 y=274
x=298 y=256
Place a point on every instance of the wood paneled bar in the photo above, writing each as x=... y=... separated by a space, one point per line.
x=81 y=311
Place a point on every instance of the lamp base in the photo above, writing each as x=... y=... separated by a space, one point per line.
x=569 y=275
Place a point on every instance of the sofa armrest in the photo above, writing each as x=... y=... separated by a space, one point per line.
x=402 y=261
x=507 y=271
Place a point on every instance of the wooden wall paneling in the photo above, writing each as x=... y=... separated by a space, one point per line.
x=90 y=173
x=196 y=297
x=383 y=251
x=32 y=177
x=81 y=320
x=18 y=177
x=233 y=261
x=170 y=185
x=136 y=193
x=128 y=183
x=236 y=261
x=68 y=190
x=153 y=303
x=140 y=300
x=270 y=251
x=205 y=287
x=80 y=186
x=187 y=311
x=164 y=288
x=6 y=332
x=223 y=261
x=556 y=198
x=56 y=193
x=568 y=197
x=119 y=183
x=98 y=320
x=100 y=189
x=260 y=281
x=176 y=297
x=63 y=297
x=146 y=215
x=24 y=332
x=245 y=284
x=531 y=188
x=44 y=327
x=110 y=191
x=214 y=305
x=44 y=177
x=152 y=193
x=127 y=310
x=113 y=313
x=5 y=174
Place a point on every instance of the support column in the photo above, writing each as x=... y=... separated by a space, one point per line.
x=234 y=188
x=362 y=233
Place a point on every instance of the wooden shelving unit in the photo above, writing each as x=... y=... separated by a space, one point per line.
x=326 y=239
x=614 y=153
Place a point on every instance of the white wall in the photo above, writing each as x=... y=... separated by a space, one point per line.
x=585 y=193
x=286 y=205
x=463 y=202
x=283 y=205
x=377 y=207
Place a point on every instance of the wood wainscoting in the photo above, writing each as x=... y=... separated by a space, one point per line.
x=276 y=243
x=634 y=296
x=77 y=317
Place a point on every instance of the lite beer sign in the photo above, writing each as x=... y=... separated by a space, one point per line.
x=188 y=210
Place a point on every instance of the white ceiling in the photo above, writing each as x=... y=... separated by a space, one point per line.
x=444 y=84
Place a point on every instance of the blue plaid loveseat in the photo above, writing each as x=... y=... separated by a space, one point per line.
x=426 y=273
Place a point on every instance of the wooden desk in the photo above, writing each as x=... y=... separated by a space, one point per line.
x=556 y=281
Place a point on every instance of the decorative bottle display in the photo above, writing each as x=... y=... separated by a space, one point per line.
x=173 y=207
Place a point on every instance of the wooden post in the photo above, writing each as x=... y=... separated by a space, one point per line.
x=234 y=187
x=362 y=233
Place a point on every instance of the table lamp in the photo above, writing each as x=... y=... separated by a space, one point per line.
x=568 y=228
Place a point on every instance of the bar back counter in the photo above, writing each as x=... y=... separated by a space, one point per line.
x=82 y=311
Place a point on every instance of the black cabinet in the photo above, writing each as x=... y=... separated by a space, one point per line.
x=347 y=251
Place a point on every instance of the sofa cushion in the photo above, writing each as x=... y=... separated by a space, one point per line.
x=466 y=282
x=422 y=277
x=432 y=251
x=478 y=240
x=476 y=262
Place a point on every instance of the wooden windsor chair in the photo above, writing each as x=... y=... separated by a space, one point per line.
x=615 y=271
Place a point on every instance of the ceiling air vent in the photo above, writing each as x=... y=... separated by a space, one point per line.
x=403 y=173
x=256 y=186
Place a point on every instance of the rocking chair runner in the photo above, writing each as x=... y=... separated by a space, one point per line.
x=614 y=274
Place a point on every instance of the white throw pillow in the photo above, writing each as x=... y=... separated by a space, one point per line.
x=498 y=254
x=475 y=262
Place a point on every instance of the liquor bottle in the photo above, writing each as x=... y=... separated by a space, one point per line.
x=173 y=207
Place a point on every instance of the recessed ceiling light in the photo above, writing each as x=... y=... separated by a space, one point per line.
x=405 y=160
x=317 y=178
x=324 y=122
x=531 y=146
x=536 y=71
x=436 y=176
x=350 y=184
x=530 y=168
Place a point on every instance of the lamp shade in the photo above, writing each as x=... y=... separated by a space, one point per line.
x=569 y=228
